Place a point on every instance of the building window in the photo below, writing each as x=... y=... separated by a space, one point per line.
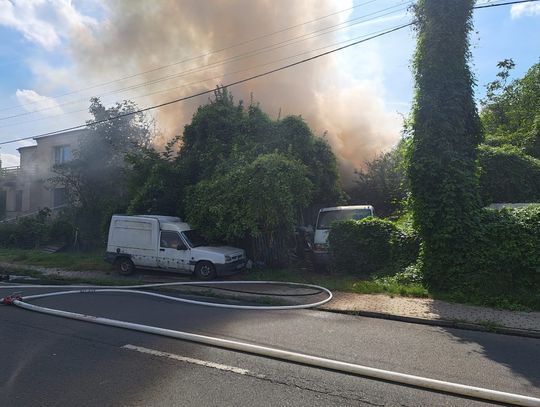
x=18 y=201
x=62 y=154
x=59 y=197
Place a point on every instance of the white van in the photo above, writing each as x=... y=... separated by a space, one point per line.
x=325 y=219
x=166 y=243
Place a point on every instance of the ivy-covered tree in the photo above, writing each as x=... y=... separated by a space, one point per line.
x=446 y=132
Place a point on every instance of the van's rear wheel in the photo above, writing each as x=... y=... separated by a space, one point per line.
x=125 y=266
x=205 y=270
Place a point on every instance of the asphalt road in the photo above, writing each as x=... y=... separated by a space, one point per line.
x=52 y=361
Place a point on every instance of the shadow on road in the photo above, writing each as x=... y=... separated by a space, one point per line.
x=519 y=354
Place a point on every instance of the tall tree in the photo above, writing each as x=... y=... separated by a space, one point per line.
x=95 y=179
x=221 y=136
x=446 y=132
x=511 y=112
x=383 y=182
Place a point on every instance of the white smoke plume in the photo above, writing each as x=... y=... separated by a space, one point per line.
x=140 y=35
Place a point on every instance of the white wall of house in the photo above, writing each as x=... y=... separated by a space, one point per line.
x=26 y=189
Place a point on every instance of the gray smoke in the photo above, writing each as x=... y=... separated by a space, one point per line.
x=140 y=35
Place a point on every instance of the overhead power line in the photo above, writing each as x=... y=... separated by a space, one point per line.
x=189 y=59
x=91 y=123
x=272 y=47
x=505 y=3
x=220 y=76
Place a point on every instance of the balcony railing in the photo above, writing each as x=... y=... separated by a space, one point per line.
x=10 y=171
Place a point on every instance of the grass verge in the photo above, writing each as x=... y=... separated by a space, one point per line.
x=76 y=261
x=340 y=282
x=67 y=260
x=94 y=261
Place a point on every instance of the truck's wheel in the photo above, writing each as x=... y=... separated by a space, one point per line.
x=205 y=270
x=125 y=266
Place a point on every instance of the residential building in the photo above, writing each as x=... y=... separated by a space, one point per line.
x=24 y=189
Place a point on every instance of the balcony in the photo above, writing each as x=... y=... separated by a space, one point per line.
x=10 y=171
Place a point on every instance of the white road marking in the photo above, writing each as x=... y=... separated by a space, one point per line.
x=199 y=362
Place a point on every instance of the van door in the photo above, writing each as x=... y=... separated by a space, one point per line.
x=173 y=252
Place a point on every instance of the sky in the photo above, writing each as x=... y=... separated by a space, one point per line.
x=56 y=54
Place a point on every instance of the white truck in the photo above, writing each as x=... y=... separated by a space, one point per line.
x=324 y=221
x=166 y=243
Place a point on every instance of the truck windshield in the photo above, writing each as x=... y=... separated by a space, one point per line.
x=327 y=217
x=194 y=239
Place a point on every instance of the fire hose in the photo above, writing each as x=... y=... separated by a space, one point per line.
x=265 y=351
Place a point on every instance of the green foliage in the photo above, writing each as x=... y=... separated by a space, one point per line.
x=508 y=175
x=250 y=200
x=33 y=231
x=65 y=260
x=446 y=131
x=95 y=179
x=294 y=138
x=370 y=246
x=511 y=112
x=383 y=182
x=504 y=262
x=156 y=184
x=238 y=175
x=212 y=135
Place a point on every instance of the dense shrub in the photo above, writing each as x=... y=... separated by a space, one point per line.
x=371 y=246
x=33 y=231
x=508 y=175
x=504 y=264
x=60 y=230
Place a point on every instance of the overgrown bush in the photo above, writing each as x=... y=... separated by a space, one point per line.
x=508 y=175
x=370 y=246
x=33 y=231
x=60 y=230
x=504 y=264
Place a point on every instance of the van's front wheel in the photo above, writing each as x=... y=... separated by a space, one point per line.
x=125 y=266
x=205 y=270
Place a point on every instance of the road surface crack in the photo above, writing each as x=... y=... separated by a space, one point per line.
x=315 y=387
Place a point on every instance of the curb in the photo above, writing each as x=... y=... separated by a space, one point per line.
x=470 y=326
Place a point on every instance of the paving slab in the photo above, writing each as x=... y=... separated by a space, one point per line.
x=436 y=312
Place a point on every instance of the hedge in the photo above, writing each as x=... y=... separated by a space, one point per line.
x=31 y=232
x=370 y=246
x=504 y=263
x=508 y=175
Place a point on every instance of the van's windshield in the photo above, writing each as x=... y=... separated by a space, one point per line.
x=194 y=239
x=327 y=217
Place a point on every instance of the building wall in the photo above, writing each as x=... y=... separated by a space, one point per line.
x=36 y=167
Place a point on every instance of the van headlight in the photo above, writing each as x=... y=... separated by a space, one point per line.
x=228 y=258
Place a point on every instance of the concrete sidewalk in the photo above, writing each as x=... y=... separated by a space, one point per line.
x=414 y=310
x=437 y=312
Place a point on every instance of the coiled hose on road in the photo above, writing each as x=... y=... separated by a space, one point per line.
x=138 y=289
x=325 y=363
